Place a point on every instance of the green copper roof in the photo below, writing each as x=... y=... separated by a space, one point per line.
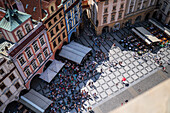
x=13 y=19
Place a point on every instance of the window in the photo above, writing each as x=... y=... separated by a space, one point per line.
x=17 y=85
x=70 y=24
x=164 y=6
x=52 y=9
x=120 y=15
x=27 y=27
x=64 y=35
x=49 y=24
x=19 y=34
x=138 y=7
x=1 y=103
x=27 y=71
x=35 y=45
x=68 y=4
x=34 y=9
x=104 y=19
x=54 y=44
x=40 y=58
x=75 y=9
x=106 y=2
x=114 y=1
x=55 y=19
x=8 y=94
x=26 y=6
x=51 y=33
x=62 y=24
x=29 y=54
x=69 y=15
x=60 y=15
x=112 y=17
x=12 y=77
x=21 y=60
x=1 y=71
x=105 y=10
x=57 y=29
x=130 y=10
x=59 y=39
x=114 y=7
x=45 y=52
x=2 y=86
x=122 y=5
x=76 y=18
x=34 y=65
x=42 y=41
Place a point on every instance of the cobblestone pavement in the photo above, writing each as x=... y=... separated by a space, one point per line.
x=109 y=83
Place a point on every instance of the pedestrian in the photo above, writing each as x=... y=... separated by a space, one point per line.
x=116 y=64
x=164 y=69
x=126 y=101
x=94 y=95
x=120 y=63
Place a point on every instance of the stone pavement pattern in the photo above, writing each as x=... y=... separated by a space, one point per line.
x=134 y=70
x=108 y=87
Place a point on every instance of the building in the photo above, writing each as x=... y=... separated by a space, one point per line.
x=163 y=13
x=72 y=12
x=56 y=27
x=14 y=4
x=11 y=83
x=52 y=18
x=139 y=10
x=110 y=17
x=31 y=51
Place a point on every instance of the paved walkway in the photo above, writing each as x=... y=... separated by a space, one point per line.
x=108 y=85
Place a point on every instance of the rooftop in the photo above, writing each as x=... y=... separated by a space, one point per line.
x=5 y=46
x=12 y=19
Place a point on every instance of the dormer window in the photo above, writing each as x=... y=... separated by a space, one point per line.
x=26 y=6
x=19 y=34
x=52 y=9
x=34 y=8
x=27 y=27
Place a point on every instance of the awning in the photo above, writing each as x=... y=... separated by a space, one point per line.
x=166 y=30
x=52 y=71
x=35 y=101
x=144 y=38
x=147 y=34
x=74 y=52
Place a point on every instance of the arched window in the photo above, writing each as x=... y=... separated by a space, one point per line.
x=52 y=9
x=19 y=34
x=27 y=27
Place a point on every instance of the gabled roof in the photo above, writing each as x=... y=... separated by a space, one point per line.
x=13 y=19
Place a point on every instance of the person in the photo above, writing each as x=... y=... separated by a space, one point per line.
x=94 y=95
x=164 y=69
x=120 y=63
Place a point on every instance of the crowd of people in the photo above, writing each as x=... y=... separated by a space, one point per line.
x=66 y=93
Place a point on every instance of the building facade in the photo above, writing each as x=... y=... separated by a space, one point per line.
x=72 y=12
x=14 y=4
x=11 y=83
x=139 y=10
x=110 y=17
x=56 y=27
x=31 y=51
x=163 y=13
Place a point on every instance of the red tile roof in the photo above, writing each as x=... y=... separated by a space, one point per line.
x=37 y=14
x=2 y=14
